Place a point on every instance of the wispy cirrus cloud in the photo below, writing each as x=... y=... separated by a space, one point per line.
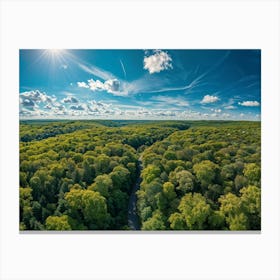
x=174 y=101
x=123 y=68
x=96 y=71
x=157 y=62
x=230 y=107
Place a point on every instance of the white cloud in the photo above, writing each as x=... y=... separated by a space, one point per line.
x=226 y=115
x=36 y=96
x=157 y=62
x=249 y=103
x=70 y=99
x=175 y=101
x=82 y=85
x=27 y=102
x=209 y=99
x=123 y=68
x=111 y=86
x=230 y=107
x=97 y=72
x=48 y=106
x=31 y=99
x=94 y=107
x=216 y=110
x=95 y=85
x=77 y=107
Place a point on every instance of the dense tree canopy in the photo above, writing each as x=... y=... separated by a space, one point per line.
x=79 y=175
x=206 y=177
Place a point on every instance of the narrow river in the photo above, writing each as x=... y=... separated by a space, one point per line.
x=133 y=219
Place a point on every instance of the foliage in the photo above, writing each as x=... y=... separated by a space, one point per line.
x=206 y=177
x=83 y=170
x=196 y=175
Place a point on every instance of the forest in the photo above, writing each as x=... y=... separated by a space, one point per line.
x=188 y=175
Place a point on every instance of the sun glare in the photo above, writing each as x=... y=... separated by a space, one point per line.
x=55 y=51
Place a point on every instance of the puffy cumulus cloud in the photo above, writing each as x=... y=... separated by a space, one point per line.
x=98 y=104
x=112 y=86
x=144 y=113
x=249 y=103
x=70 y=99
x=91 y=108
x=226 y=115
x=209 y=99
x=96 y=85
x=37 y=96
x=70 y=110
x=98 y=108
x=48 y=106
x=157 y=62
x=34 y=113
x=36 y=104
x=58 y=110
x=82 y=85
x=216 y=110
x=77 y=107
x=165 y=113
x=24 y=112
x=27 y=102
x=32 y=99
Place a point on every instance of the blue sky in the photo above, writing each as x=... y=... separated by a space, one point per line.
x=140 y=84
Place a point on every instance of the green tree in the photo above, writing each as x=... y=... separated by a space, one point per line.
x=57 y=223
x=88 y=171
x=253 y=173
x=121 y=178
x=150 y=173
x=169 y=191
x=239 y=182
x=102 y=184
x=184 y=181
x=177 y=221
x=231 y=209
x=91 y=204
x=251 y=203
x=146 y=213
x=195 y=210
x=156 y=222
x=205 y=172
x=102 y=164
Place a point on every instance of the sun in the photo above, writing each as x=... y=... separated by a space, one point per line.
x=54 y=57
x=55 y=51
